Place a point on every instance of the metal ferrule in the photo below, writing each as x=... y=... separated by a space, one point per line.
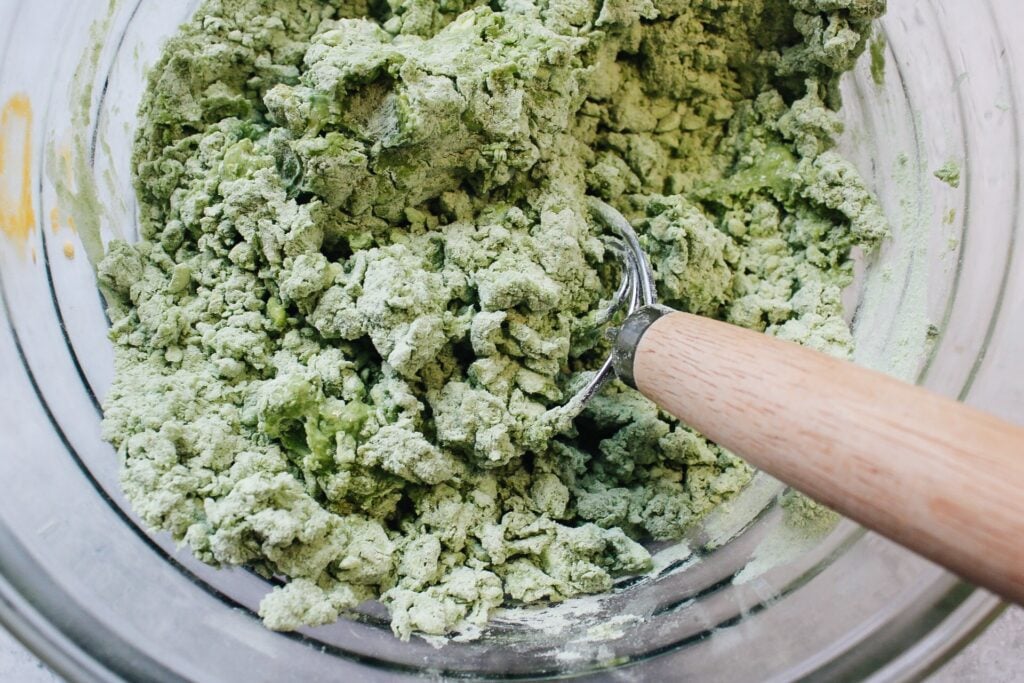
x=628 y=339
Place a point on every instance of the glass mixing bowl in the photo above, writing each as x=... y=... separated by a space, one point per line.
x=99 y=598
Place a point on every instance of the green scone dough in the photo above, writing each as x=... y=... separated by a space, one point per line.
x=367 y=273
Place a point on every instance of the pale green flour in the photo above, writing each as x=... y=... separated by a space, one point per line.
x=367 y=271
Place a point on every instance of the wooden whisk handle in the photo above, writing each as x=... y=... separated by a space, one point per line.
x=936 y=476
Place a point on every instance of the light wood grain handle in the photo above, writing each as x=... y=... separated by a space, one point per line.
x=936 y=476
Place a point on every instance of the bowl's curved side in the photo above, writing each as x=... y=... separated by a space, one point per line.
x=100 y=599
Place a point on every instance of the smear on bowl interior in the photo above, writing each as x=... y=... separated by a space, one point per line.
x=367 y=268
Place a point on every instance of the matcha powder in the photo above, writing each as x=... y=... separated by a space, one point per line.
x=367 y=270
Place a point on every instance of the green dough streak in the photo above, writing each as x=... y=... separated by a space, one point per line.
x=877 y=50
x=367 y=273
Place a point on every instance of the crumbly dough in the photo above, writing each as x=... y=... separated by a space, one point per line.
x=367 y=270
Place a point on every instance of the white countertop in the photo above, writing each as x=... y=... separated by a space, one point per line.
x=995 y=657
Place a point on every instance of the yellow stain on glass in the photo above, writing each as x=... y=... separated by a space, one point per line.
x=17 y=214
x=57 y=221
